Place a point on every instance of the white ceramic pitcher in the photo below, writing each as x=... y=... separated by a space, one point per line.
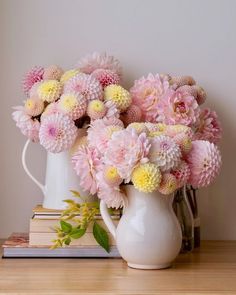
x=148 y=235
x=59 y=180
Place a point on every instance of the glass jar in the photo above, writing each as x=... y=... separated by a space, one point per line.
x=184 y=214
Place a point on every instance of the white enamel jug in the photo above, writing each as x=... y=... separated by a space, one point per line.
x=148 y=235
x=59 y=180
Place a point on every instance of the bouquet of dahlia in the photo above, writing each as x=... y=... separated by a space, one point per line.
x=151 y=156
x=59 y=102
x=168 y=141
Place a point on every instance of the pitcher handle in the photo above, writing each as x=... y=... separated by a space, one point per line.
x=107 y=218
x=23 y=156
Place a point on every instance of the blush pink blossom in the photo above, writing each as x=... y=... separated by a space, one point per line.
x=204 y=161
x=91 y=62
x=99 y=134
x=126 y=150
x=178 y=107
x=112 y=195
x=33 y=76
x=146 y=94
x=28 y=126
x=86 y=162
x=208 y=127
x=86 y=85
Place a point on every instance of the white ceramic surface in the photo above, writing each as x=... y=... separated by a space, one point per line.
x=148 y=235
x=59 y=180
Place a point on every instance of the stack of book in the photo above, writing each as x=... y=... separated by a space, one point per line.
x=42 y=233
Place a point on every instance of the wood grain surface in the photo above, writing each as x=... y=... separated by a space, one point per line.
x=208 y=270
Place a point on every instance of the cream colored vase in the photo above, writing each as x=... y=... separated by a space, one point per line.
x=148 y=235
x=60 y=178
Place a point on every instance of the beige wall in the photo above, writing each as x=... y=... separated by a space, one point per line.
x=180 y=37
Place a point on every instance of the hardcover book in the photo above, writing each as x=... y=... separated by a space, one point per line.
x=17 y=245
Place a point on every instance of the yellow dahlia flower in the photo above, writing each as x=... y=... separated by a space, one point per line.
x=146 y=177
x=96 y=109
x=120 y=96
x=34 y=106
x=49 y=90
x=111 y=176
x=68 y=74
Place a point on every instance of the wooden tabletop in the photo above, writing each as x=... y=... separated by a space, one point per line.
x=208 y=270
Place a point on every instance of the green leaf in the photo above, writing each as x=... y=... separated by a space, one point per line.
x=65 y=226
x=67 y=241
x=76 y=194
x=101 y=236
x=77 y=233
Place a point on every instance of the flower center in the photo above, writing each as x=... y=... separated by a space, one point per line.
x=180 y=107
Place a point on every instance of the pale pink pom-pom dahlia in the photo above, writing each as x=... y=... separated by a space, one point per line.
x=112 y=195
x=34 y=106
x=125 y=150
x=178 y=107
x=34 y=89
x=113 y=121
x=204 y=162
x=181 y=173
x=33 y=76
x=184 y=141
x=94 y=61
x=168 y=184
x=112 y=110
x=53 y=72
x=72 y=104
x=179 y=81
x=86 y=164
x=208 y=127
x=96 y=109
x=27 y=126
x=164 y=152
x=106 y=77
x=131 y=115
x=85 y=85
x=57 y=133
x=52 y=108
x=99 y=134
x=146 y=94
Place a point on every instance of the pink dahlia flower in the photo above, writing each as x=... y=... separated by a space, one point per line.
x=33 y=76
x=204 y=162
x=106 y=77
x=53 y=72
x=146 y=94
x=131 y=115
x=111 y=194
x=86 y=163
x=57 y=133
x=179 y=81
x=112 y=111
x=208 y=126
x=85 y=85
x=164 y=152
x=28 y=127
x=72 y=104
x=126 y=150
x=178 y=107
x=52 y=108
x=99 y=134
x=181 y=173
x=94 y=61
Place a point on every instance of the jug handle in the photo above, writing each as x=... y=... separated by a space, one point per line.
x=23 y=156
x=107 y=218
